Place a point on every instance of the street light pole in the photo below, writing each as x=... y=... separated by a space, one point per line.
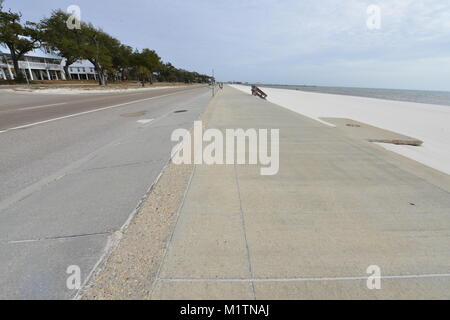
x=213 y=83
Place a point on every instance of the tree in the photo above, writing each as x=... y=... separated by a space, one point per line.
x=56 y=35
x=143 y=74
x=148 y=59
x=18 y=38
x=171 y=74
x=98 y=47
x=107 y=54
x=168 y=73
x=122 y=60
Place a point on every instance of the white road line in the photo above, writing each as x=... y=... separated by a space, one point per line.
x=22 y=194
x=41 y=107
x=87 y=112
x=415 y=276
x=145 y=121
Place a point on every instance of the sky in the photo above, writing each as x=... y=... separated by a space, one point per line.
x=302 y=42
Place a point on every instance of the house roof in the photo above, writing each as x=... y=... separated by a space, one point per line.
x=82 y=64
x=40 y=53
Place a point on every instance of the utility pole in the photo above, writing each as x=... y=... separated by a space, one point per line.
x=213 y=83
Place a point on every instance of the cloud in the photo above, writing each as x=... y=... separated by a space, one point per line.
x=329 y=43
x=268 y=40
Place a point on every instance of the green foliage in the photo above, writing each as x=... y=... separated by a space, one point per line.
x=111 y=59
x=171 y=74
x=17 y=37
x=122 y=61
x=148 y=60
x=56 y=35
x=99 y=48
x=144 y=74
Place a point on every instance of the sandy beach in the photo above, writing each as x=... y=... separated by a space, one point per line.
x=429 y=123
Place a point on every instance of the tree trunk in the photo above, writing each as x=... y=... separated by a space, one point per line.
x=101 y=81
x=102 y=78
x=100 y=73
x=17 y=70
x=69 y=62
x=15 y=59
x=66 y=71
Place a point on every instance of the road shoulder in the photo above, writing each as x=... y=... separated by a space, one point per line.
x=130 y=269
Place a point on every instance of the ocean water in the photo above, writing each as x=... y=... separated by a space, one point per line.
x=431 y=97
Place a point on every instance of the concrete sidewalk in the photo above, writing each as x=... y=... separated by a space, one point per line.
x=337 y=206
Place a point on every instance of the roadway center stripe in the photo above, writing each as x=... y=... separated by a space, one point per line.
x=87 y=112
x=44 y=106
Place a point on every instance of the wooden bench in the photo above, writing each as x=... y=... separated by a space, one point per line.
x=258 y=92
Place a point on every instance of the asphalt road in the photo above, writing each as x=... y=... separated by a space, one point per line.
x=72 y=170
x=18 y=109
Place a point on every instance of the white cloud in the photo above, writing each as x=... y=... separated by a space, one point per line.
x=282 y=41
x=328 y=42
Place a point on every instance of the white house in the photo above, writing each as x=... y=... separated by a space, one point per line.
x=42 y=64
x=83 y=70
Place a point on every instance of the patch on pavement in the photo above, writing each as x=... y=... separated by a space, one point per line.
x=134 y=114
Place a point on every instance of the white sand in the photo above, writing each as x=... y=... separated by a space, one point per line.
x=86 y=90
x=429 y=123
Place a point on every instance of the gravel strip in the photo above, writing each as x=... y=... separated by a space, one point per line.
x=131 y=268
